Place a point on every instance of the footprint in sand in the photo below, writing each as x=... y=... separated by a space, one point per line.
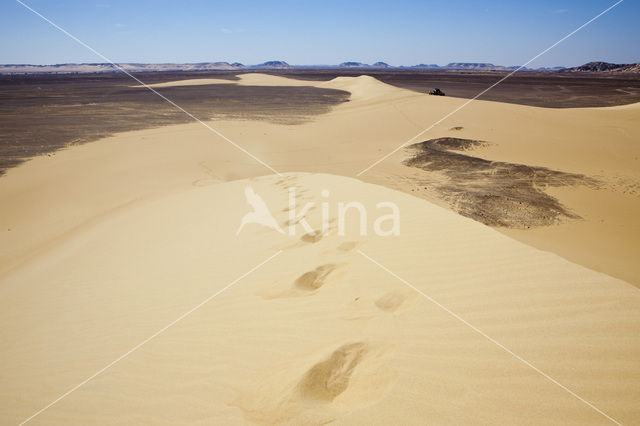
x=305 y=285
x=313 y=280
x=312 y=238
x=396 y=300
x=329 y=378
x=342 y=249
x=286 y=181
x=354 y=375
x=348 y=245
x=297 y=219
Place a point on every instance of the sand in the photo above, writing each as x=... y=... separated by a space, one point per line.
x=188 y=82
x=106 y=243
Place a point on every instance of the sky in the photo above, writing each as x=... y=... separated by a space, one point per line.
x=399 y=32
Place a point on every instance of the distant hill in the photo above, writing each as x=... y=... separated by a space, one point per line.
x=591 y=67
x=272 y=65
x=476 y=66
x=106 y=67
x=426 y=66
x=605 y=67
x=550 y=69
x=353 y=65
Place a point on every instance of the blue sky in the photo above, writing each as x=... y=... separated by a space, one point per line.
x=320 y=32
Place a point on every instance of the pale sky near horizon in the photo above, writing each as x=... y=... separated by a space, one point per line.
x=403 y=32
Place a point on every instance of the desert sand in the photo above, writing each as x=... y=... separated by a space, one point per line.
x=107 y=243
x=188 y=82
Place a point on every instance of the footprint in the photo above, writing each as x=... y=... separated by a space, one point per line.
x=329 y=378
x=353 y=376
x=313 y=280
x=343 y=247
x=297 y=219
x=293 y=221
x=286 y=181
x=312 y=238
x=305 y=285
x=348 y=245
x=394 y=300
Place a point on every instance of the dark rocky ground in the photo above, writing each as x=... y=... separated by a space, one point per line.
x=42 y=113
x=543 y=89
x=495 y=193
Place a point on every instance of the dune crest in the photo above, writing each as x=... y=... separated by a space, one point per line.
x=362 y=88
x=188 y=82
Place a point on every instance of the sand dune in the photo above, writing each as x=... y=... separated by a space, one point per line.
x=343 y=350
x=107 y=243
x=189 y=82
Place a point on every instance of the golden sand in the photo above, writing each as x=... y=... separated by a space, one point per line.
x=106 y=243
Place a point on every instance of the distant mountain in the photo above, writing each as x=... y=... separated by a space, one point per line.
x=106 y=67
x=427 y=66
x=593 y=67
x=272 y=65
x=353 y=65
x=631 y=68
x=476 y=66
x=606 y=67
x=550 y=69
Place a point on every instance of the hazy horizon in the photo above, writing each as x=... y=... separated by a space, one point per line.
x=403 y=34
x=319 y=65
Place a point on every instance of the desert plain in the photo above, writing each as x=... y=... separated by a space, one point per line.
x=508 y=295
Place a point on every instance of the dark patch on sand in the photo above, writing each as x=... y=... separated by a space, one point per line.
x=495 y=193
x=40 y=114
